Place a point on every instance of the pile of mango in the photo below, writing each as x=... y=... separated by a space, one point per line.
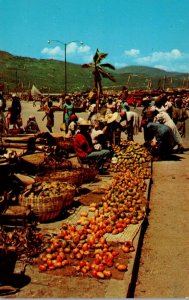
x=131 y=156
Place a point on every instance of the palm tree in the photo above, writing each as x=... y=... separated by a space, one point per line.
x=99 y=72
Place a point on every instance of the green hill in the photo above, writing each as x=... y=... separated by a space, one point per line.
x=143 y=70
x=20 y=73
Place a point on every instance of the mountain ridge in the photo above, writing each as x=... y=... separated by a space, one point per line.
x=18 y=72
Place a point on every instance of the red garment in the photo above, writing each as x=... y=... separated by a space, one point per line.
x=81 y=145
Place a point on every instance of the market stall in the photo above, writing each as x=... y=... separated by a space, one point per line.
x=95 y=239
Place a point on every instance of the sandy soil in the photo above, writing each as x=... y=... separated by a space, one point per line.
x=164 y=263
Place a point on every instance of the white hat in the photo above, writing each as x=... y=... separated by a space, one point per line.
x=112 y=117
x=84 y=123
x=101 y=119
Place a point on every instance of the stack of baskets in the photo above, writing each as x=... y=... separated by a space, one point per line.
x=48 y=199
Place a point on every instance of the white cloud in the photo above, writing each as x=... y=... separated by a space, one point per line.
x=160 y=57
x=120 y=65
x=176 y=53
x=72 y=49
x=76 y=47
x=162 y=67
x=132 y=52
x=56 y=51
x=84 y=49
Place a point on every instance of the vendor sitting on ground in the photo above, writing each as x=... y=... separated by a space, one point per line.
x=31 y=126
x=85 y=150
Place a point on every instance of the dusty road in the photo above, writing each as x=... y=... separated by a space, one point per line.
x=164 y=264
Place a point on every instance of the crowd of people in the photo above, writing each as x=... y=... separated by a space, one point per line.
x=162 y=122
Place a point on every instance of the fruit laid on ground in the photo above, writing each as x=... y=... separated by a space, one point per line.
x=123 y=204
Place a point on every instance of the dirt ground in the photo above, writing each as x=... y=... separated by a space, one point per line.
x=164 y=262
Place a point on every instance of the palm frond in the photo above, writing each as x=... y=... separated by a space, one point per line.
x=99 y=56
x=107 y=66
x=87 y=65
x=106 y=74
x=95 y=57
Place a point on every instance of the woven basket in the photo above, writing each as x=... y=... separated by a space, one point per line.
x=88 y=174
x=52 y=164
x=74 y=177
x=66 y=144
x=49 y=208
x=35 y=159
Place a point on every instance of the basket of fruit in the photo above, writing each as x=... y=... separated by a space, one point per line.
x=88 y=174
x=74 y=177
x=66 y=144
x=48 y=199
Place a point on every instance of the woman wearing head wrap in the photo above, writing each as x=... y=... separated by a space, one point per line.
x=72 y=125
x=163 y=118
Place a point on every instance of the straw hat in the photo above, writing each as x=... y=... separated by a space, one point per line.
x=84 y=123
x=112 y=117
x=101 y=118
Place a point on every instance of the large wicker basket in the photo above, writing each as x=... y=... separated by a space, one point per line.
x=88 y=174
x=48 y=208
x=66 y=144
x=56 y=164
x=74 y=177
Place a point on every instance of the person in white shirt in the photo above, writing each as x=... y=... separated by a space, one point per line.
x=98 y=136
x=131 y=122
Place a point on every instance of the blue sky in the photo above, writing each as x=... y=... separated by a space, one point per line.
x=133 y=32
